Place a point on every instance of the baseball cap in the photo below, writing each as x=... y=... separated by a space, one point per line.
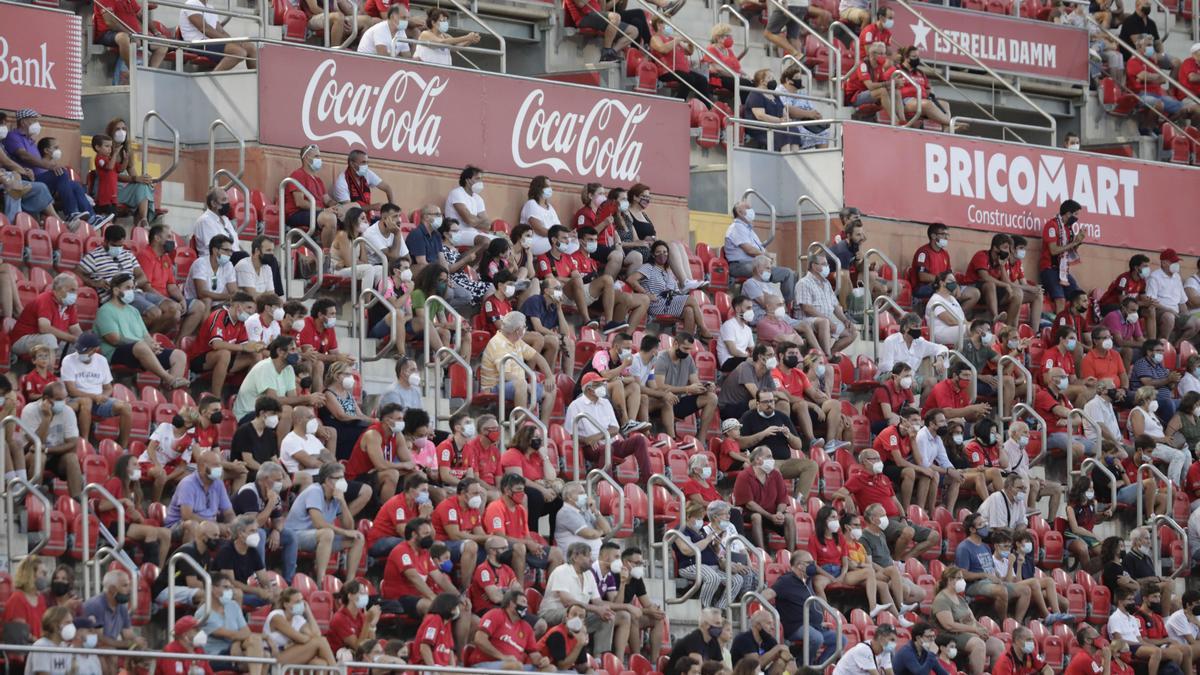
x=26 y=113
x=186 y=624
x=1195 y=48
x=591 y=377
x=86 y=341
x=729 y=425
x=1169 y=255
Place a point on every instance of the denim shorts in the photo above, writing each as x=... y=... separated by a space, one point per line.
x=144 y=300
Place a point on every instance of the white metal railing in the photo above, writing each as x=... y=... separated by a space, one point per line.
x=577 y=454
x=596 y=475
x=235 y=181
x=751 y=551
x=955 y=355
x=437 y=382
x=300 y=235
x=85 y=506
x=791 y=126
x=152 y=114
x=736 y=15
x=900 y=74
x=755 y=596
x=1154 y=541
x=751 y=192
x=368 y=298
x=39 y=449
x=1017 y=365
x=839 y=27
x=356 y=255
x=312 y=211
x=837 y=620
x=6 y=520
x=669 y=486
x=103 y=555
x=1029 y=411
x=517 y=414
x=835 y=57
x=1083 y=419
x=809 y=199
x=808 y=73
x=668 y=556
x=200 y=572
x=880 y=303
x=1091 y=463
x=427 y=315
x=1158 y=475
x=212 y=148
x=887 y=262
x=819 y=247
x=534 y=400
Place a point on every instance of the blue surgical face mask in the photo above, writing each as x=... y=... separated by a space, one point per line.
x=984 y=532
x=1150 y=50
x=446 y=566
x=292 y=359
x=315 y=164
x=889 y=24
x=1071 y=344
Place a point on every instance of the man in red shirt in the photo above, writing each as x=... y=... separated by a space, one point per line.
x=482 y=453
x=1032 y=294
x=582 y=286
x=50 y=319
x=157 y=261
x=1092 y=654
x=1062 y=355
x=1130 y=284
x=504 y=639
x=1053 y=404
x=931 y=260
x=869 y=486
x=763 y=497
x=1060 y=249
x=953 y=395
x=894 y=444
x=889 y=397
x=508 y=518
x=867 y=84
x=878 y=31
x=387 y=530
x=317 y=339
x=114 y=21
x=492 y=578
x=1077 y=316
x=381 y=453
x=187 y=640
x=989 y=272
x=410 y=577
x=296 y=207
x=458 y=521
x=1021 y=658
x=222 y=347
x=1148 y=85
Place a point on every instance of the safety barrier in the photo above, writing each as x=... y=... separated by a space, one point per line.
x=577 y=455
x=146 y=146
x=1153 y=471
x=212 y=149
x=669 y=486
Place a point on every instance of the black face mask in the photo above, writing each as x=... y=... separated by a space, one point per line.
x=535 y=443
x=61 y=588
x=169 y=246
x=791 y=361
x=225 y=209
x=771 y=84
x=1146 y=11
x=1156 y=607
x=306 y=382
x=122 y=598
x=680 y=354
x=269 y=260
x=425 y=542
x=915 y=61
x=913 y=333
x=216 y=417
x=178 y=422
x=1072 y=220
x=1001 y=255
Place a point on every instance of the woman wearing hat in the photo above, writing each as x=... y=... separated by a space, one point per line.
x=189 y=639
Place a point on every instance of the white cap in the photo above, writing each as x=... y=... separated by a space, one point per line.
x=1195 y=48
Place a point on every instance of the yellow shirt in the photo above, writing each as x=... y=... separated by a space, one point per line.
x=497 y=348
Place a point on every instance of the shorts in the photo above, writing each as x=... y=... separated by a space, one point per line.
x=892 y=470
x=984 y=389
x=510 y=390
x=1170 y=104
x=123 y=356
x=892 y=533
x=1048 y=278
x=299 y=218
x=219 y=666
x=383 y=546
x=108 y=38
x=306 y=540
x=686 y=406
x=54 y=464
x=219 y=50
x=1058 y=441
x=104 y=410
x=983 y=587
x=456 y=547
x=835 y=570
x=863 y=98
x=599 y=22
x=408 y=603
x=145 y=300
x=777 y=21
x=1127 y=494
x=197 y=363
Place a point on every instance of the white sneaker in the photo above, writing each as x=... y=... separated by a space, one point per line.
x=879 y=609
x=905 y=608
x=904 y=622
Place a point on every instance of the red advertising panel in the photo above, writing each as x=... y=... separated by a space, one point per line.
x=40 y=60
x=1009 y=187
x=403 y=111
x=1005 y=44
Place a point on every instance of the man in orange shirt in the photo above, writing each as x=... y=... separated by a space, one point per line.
x=508 y=518
x=1105 y=363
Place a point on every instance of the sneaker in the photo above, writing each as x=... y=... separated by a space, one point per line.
x=691 y=285
x=1059 y=618
x=904 y=622
x=633 y=426
x=835 y=445
x=614 y=326
x=817 y=443
x=98 y=221
x=608 y=54
x=880 y=608
x=905 y=608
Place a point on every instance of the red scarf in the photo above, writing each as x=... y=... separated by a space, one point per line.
x=360 y=191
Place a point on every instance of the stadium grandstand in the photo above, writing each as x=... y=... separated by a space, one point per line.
x=621 y=337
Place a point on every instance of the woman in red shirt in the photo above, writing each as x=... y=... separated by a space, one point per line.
x=721 y=50
x=831 y=549
x=125 y=486
x=528 y=457
x=673 y=54
x=699 y=488
x=983 y=456
x=434 y=641
x=26 y=605
x=353 y=624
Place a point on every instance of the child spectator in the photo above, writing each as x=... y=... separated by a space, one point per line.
x=35 y=381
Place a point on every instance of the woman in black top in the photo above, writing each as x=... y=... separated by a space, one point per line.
x=644 y=232
x=1113 y=575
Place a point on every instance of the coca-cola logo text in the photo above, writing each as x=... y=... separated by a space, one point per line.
x=598 y=143
x=396 y=116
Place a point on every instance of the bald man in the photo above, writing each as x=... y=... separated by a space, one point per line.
x=1053 y=403
x=201 y=497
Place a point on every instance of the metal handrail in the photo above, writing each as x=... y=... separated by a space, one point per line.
x=899 y=73
x=138 y=654
x=808 y=199
x=529 y=416
x=589 y=485
x=846 y=30
x=877 y=304
x=1028 y=410
x=835 y=61
x=206 y=9
x=312 y=212
x=146 y=146
x=789 y=126
x=577 y=456
x=837 y=619
x=235 y=181
x=887 y=263
x=104 y=554
x=1000 y=383
x=980 y=64
x=39 y=449
x=355 y=255
x=458 y=326
x=751 y=551
x=437 y=383
x=85 y=507
x=768 y=607
x=944 y=79
x=1003 y=125
x=297 y=233
x=1112 y=480
x=201 y=572
x=534 y=401
x=808 y=73
x=360 y=320
x=1083 y=419
x=820 y=247
x=668 y=537
x=736 y=14
x=501 y=51
x=953 y=354
x=669 y=486
x=1153 y=471
x=1155 y=522
x=770 y=207
x=47 y=507
x=649 y=53
x=212 y=147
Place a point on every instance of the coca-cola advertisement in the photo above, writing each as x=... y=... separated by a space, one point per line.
x=1012 y=187
x=40 y=64
x=404 y=111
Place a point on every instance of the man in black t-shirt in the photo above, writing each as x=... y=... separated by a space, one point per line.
x=238 y=560
x=263 y=499
x=258 y=439
x=766 y=425
x=773 y=658
x=702 y=643
x=189 y=584
x=631 y=581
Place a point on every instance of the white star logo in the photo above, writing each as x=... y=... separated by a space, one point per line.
x=920 y=34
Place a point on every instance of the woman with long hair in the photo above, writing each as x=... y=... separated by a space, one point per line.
x=293 y=634
x=952 y=615
x=528 y=457
x=1143 y=419
x=655 y=280
x=135 y=190
x=1082 y=517
x=339 y=263
x=125 y=486
x=353 y=624
x=539 y=214
x=25 y=607
x=341 y=409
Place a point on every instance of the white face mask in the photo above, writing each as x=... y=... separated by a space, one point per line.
x=1174 y=268
x=253 y=540
x=298 y=325
x=277 y=487
x=823 y=271
x=3 y=132
x=958 y=439
x=772 y=363
x=877 y=467
x=1020 y=254
x=475 y=502
x=414 y=380
x=547 y=192
x=768 y=464
x=200 y=639
x=135 y=475
x=348 y=382
x=952 y=652
x=468 y=430
x=312 y=426
x=637 y=572
x=943 y=243
x=749 y=215
x=835 y=525
x=615 y=567
x=298 y=609
x=35 y=128
x=779 y=312
x=277 y=314
x=748 y=315
x=271 y=421
x=906 y=382
x=90 y=640
x=397 y=427
x=1089 y=495
x=960 y=585
x=581 y=501
x=1153 y=407
x=765 y=275
x=361 y=600
x=1027 y=547
x=883 y=522
x=477 y=187
x=67 y=632
x=574 y=624
x=697 y=524
x=601 y=391
x=227 y=595
x=706 y=472
x=1107 y=344
x=340 y=485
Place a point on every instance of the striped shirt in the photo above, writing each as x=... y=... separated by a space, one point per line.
x=100 y=265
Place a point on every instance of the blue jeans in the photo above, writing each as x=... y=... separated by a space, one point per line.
x=73 y=197
x=826 y=637
x=288 y=546
x=33 y=202
x=382 y=547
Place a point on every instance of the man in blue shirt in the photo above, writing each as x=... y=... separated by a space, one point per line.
x=1149 y=371
x=918 y=657
x=425 y=241
x=975 y=559
x=201 y=496
x=791 y=592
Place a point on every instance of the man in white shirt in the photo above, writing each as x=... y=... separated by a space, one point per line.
x=742 y=246
x=386 y=38
x=89 y=384
x=353 y=186
x=1122 y=624
x=574 y=584
x=594 y=403
x=1165 y=288
x=737 y=337
x=465 y=203
x=211 y=278
x=816 y=299
x=255 y=273
x=197 y=25
x=870 y=658
x=215 y=220
x=302 y=452
x=1013 y=458
x=580 y=520
x=1006 y=508
x=907 y=346
x=1099 y=409
x=1183 y=626
x=931 y=453
x=263 y=325
x=384 y=235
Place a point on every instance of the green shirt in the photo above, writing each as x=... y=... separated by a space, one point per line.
x=124 y=321
x=262 y=377
x=418 y=304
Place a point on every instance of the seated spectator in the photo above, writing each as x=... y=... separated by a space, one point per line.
x=458 y=523
x=201 y=496
x=293 y=634
x=1054 y=405
x=990 y=272
x=573 y=584
x=110 y=611
x=306 y=447
x=564 y=645
x=508 y=518
x=125 y=487
x=214 y=221
x=222 y=346
x=263 y=325
x=931 y=454
x=582 y=282
x=817 y=300
x=109 y=169
x=353 y=624
x=437 y=30
x=411 y=580
x=257 y=440
x=952 y=614
x=764 y=498
x=238 y=560
x=57 y=428
x=765 y=106
x=591 y=15
x=974 y=559
x=953 y=395
x=1165 y=290
x=615 y=367
x=114 y=24
x=672 y=54
x=89 y=383
x=50 y=319
x=983 y=455
x=126 y=341
x=322 y=520
x=435 y=636
x=868 y=83
x=1190 y=382
x=381 y=456
x=668 y=297
x=894 y=444
x=737 y=335
x=593 y=402
x=527 y=458
x=872 y=487
x=869 y=656
x=917 y=95
x=465 y=204
x=353 y=185
x=1144 y=421
x=387 y=530
x=1082 y=517
x=102 y=264
x=831 y=550
x=297 y=208
x=1149 y=371
x=1185 y=423
x=340 y=409
x=908 y=346
x=742 y=246
x=931 y=261
x=759 y=642
x=1005 y=508
x=887 y=400
x=798 y=107
x=766 y=425
x=504 y=639
x=274 y=377
x=945 y=316
x=406 y=392
x=1104 y=364
x=225 y=629
x=263 y=499
x=492 y=578
x=45 y=159
x=792 y=591
x=721 y=50
x=706 y=542
x=25 y=608
x=20 y=192
x=256 y=273
x=580 y=520
x=56 y=629
x=201 y=26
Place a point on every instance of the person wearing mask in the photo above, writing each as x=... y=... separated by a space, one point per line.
x=736 y=335
x=504 y=638
x=293 y=634
x=110 y=609
x=437 y=31
x=50 y=319
x=872 y=487
x=1094 y=655
x=1021 y=658
x=579 y=520
x=322 y=522
x=127 y=342
x=353 y=623
x=759 y=640
x=297 y=205
x=908 y=346
x=263 y=499
x=227 y=633
x=1104 y=363
x=989 y=271
x=574 y=584
x=57 y=427
x=508 y=340
x=953 y=616
x=746 y=380
x=1006 y=507
x=766 y=425
x=945 y=316
x=1143 y=420
x=1183 y=626
x=212 y=279
x=257 y=273
x=388 y=529
x=411 y=579
x=792 y=590
x=887 y=400
x=895 y=446
x=25 y=609
x=258 y=439
x=742 y=246
x=435 y=636
x=56 y=628
x=701 y=644
x=492 y=578
x=386 y=38
x=89 y=382
x=1149 y=371
x=974 y=559
x=920 y=655
x=565 y=644
x=869 y=657
x=931 y=454
x=594 y=403
x=982 y=453
x=201 y=497
x=953 y=395
x=764 y=498
x=275 y=377
x=932 y=260
x=47 y=167
x=817 y=301
x=875 y=544
x=238 y=560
